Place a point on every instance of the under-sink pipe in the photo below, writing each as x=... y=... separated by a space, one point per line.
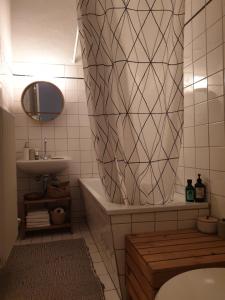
x=45 y=157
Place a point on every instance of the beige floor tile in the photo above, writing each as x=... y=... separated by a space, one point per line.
x=96 y=257
x=112 y=295
x=106 y=280
x=86 y=235
x=89 y=242
x=92 y=248
x=76 y=235
x=100 y=268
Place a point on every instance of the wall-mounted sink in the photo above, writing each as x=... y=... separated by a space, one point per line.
x=41 y=167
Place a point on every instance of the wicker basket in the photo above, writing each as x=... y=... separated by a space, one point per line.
x=62 y=190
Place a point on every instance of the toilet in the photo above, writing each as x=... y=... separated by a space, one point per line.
x=200 y=284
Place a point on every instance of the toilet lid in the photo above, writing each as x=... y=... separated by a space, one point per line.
x=200 y=284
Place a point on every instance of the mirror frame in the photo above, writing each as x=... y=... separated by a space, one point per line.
x=60 y=92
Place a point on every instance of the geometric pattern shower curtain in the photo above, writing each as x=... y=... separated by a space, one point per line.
x=133 y=64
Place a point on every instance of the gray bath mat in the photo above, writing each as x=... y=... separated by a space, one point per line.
x=59 y=270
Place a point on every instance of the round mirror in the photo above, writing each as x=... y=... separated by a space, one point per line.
x=42 y=101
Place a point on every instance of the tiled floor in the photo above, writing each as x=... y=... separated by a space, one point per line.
x=80 y=231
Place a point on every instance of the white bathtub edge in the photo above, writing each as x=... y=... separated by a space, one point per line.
x=118 y=209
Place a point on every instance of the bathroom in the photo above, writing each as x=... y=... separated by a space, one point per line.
x=38 y=43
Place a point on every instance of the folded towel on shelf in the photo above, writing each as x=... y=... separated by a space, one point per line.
x=37 y=225
x=37 y=217
x=38 y=212
x=37 y=221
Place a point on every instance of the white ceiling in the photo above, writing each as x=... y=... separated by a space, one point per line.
x=43 y=31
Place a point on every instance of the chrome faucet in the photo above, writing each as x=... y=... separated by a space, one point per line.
x=45 y=157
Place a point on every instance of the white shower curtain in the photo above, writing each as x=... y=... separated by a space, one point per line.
x=132 y=55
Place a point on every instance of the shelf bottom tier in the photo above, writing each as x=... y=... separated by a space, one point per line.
x=65 y=225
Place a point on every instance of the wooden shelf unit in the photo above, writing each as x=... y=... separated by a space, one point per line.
x=48 y=203
x=154 y=258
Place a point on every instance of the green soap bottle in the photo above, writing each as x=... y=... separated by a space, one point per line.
x=189 y=191
x=200 y=190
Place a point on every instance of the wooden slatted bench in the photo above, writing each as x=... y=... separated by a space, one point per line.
x=154 y=258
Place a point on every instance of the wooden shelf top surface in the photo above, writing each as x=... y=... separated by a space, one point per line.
x=173 y=252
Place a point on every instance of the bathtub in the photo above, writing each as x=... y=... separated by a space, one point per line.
x=110 y=222
x=95 y=187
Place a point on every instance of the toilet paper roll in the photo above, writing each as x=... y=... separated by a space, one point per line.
x=58 y=216
x=221 y=228
x=59 y=210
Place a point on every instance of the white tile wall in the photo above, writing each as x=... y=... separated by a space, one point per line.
x=204 y=127
x=121 y=219
x=119 y=232
x=100 y=227
x=142 y=227
x=166 y=225
x=144 y=217
x=68 y=135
